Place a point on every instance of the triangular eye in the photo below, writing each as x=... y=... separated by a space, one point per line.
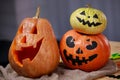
x=82 y=13
x=95 y=16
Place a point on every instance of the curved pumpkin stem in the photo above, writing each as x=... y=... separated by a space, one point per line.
x=88 y=5
x=37 y=13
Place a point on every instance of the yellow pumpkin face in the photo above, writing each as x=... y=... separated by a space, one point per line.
x=88 y=20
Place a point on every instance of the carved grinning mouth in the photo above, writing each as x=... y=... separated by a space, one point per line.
x=77 y=59
x=28 y=52
x=88 y=23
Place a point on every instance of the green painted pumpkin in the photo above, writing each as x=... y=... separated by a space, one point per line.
x=88 y=20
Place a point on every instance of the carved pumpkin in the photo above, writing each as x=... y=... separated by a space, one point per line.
x=34 y=50
x=85 y=52
x=88 y=20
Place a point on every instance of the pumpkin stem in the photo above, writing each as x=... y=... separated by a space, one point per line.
x=88 y=5
x=37 y=13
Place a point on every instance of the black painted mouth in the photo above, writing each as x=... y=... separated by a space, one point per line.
x=88 y=23
x=77 y=60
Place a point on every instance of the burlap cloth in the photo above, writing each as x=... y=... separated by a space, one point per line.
x=61 y=73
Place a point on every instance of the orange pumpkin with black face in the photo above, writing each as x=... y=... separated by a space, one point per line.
x=85 y=52
x=34 y=51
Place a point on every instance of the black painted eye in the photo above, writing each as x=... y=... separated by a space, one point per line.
x=92 y=46
x=70 y=42
x=95 y=16
x=82 y=13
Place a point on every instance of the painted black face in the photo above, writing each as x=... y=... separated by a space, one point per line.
x=88 y=22
x=79 y=60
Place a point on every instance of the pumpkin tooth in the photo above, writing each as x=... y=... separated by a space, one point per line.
x=24 y=61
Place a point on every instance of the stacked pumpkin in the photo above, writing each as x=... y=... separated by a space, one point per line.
x=85 y=47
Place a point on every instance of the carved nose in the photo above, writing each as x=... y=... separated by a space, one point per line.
x=88 y=16
x=79 y=51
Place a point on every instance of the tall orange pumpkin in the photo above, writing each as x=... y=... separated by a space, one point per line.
x=85 y=52
x=34 y=50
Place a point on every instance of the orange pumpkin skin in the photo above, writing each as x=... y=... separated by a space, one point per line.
x=34 y=50
x=85 y=52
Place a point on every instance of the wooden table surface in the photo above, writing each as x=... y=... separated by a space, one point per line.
x=115 y=48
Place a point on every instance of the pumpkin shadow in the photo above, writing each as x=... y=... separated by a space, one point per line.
x=4 y=50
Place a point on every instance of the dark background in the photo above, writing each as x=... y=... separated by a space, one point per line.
x=12 y=12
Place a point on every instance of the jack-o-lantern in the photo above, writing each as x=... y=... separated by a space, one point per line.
x=88 y=20
x=34 y=51
x=85 y=52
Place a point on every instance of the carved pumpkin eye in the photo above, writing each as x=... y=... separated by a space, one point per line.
x=95 y=16
x=70 y=42
x=82 y=13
